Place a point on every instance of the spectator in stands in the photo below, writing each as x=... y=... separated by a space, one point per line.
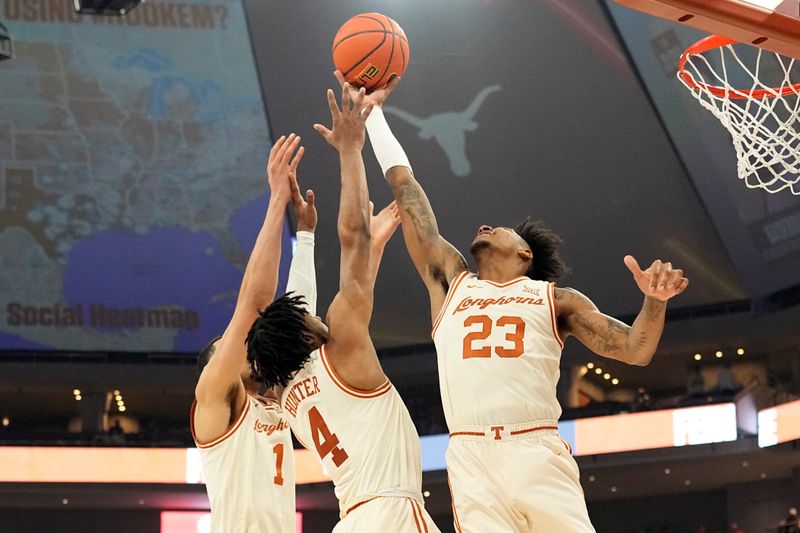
x=116 y=435
x=791 y=524
x=642 y=402
x=695 y=384
x=727 y=382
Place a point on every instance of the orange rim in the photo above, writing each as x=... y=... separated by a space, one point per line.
x=717 y=41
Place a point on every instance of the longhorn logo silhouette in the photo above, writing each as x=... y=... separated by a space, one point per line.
x=449 y=129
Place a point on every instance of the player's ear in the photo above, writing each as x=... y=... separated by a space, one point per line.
x=525 y=254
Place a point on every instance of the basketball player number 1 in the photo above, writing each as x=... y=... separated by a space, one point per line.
x=278 y=450
x=516 y=336
x=324 y=441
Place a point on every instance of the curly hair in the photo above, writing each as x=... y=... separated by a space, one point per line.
x=547 y=262
x=277 y=346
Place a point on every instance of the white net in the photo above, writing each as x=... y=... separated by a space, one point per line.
x=751 y=92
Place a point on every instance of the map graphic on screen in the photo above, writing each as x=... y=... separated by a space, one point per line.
x=132 y=182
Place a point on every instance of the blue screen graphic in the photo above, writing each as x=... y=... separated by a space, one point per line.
x=132 y=182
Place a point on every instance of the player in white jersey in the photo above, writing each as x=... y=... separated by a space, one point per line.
x=342 y=405
x=244 y=440
x=501 y=330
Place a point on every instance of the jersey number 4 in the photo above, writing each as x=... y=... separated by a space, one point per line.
x=514 y=327
x=325 y=441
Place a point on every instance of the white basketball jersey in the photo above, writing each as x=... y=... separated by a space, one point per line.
x=249 y=472
x=498 y=352
x=365 y=439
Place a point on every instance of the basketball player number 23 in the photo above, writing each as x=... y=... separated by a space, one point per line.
x=325 y=441
x=513 y=326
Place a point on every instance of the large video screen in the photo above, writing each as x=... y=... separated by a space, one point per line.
x=132 y=182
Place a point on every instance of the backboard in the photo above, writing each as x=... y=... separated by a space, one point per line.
x=770 y=24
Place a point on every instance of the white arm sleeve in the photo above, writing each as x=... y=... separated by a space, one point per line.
x=387 y=149
x=302 y=273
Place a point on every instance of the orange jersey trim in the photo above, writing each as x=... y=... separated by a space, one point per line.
x=551 y=301
x=356 y=506
x=419 y=517
x=468 y=433
x=378 y=391
x=453 y=505
x=566 y=445
x=228 y=433
x=269 y=405
x=540 y=428
x=507 y=283
x=450 y=293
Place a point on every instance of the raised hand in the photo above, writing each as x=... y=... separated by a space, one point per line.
x=347 y=132
x=281 y=163
x=304 y=208
x=659 y=281
x=376 y=97
x=383 y=225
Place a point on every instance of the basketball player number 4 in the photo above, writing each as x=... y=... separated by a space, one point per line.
x=513 y=326
x=325 y=441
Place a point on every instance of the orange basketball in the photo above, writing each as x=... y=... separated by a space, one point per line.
x=370 y=49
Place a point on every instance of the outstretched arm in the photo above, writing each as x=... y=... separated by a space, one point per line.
x=349 y=345
x=436 y=260
x=611 y=338
x=220 y=391
x=302 y=272
x=381 y=226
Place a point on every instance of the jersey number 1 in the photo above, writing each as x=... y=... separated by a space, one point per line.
x=325 y=441
x=515 y=336
x=278 y=451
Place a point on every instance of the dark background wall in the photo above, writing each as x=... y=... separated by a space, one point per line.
x=79 y=521
x=569 y=138
x=679 y=513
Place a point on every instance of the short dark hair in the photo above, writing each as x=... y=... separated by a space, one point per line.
x=277 y=343
x=204 y=355
x=547 y=262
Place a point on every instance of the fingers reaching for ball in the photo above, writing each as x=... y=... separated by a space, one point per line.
x=348 y=130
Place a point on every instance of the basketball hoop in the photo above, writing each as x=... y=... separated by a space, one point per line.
x=763 y=120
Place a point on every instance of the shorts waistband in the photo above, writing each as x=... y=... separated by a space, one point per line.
x=506 y=432
x=357 y=502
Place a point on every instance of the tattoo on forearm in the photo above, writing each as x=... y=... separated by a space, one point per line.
x=413 y=201
x=605 y=339
x=654 y=310
x=638 y=342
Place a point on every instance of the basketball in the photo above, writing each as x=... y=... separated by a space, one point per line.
x=370 y=49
